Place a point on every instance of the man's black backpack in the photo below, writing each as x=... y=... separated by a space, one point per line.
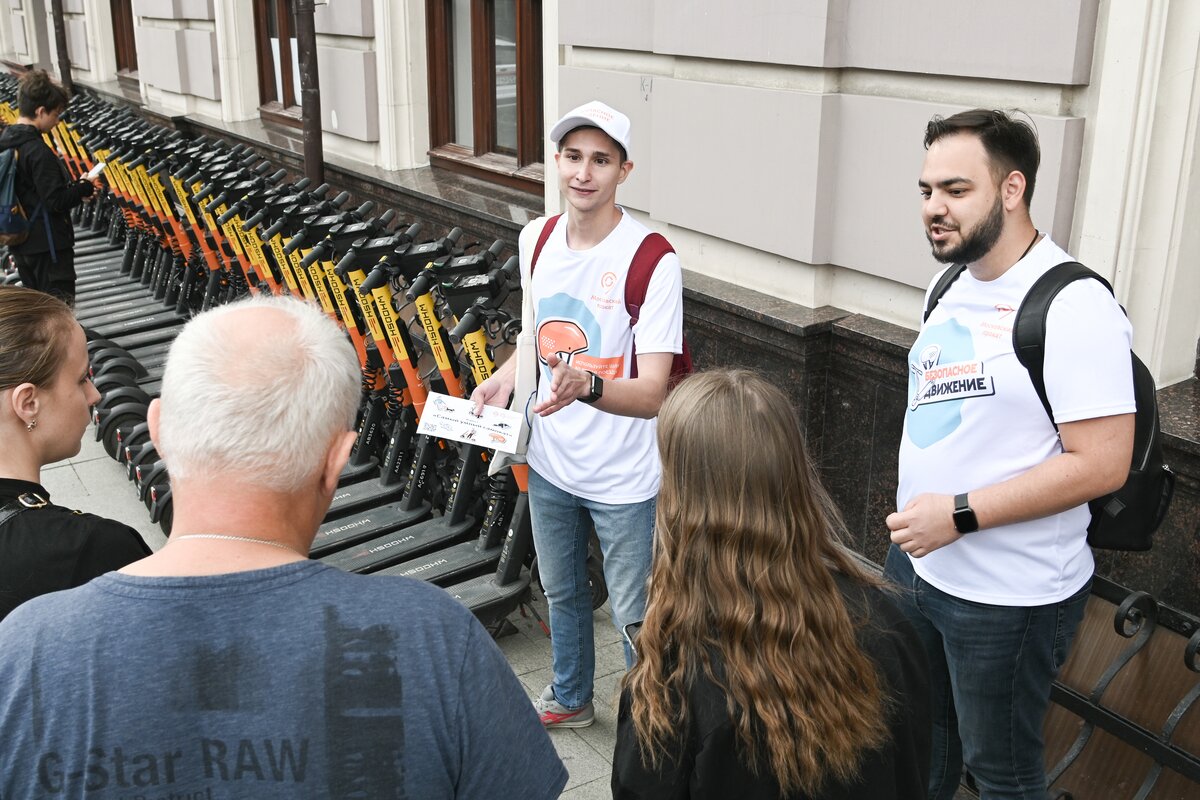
x=14 y=225
x=1126 y=518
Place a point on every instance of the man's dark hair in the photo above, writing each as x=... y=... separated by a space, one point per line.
x=1011 y=144
x=624 y=155
x=37 y=90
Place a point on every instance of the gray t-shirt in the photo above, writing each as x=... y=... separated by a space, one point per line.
x=299 y=681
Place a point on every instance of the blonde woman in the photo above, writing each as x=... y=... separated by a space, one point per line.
x=770 y=664
x=45 y=396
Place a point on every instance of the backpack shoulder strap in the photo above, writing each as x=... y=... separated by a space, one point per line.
x=943 y=283
x=543 y=237
x=641 y=269
x=1029 y=329
x=10 y=510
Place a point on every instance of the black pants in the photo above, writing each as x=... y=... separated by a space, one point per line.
x=39 y=271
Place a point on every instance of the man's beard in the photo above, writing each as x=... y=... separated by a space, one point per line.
x=975 y=243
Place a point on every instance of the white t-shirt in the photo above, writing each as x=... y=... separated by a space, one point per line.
x=579 y=305
x=973 y=419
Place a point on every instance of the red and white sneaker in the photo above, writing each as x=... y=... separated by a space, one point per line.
x=555 y=715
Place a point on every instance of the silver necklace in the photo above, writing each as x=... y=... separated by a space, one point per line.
x=230 y=538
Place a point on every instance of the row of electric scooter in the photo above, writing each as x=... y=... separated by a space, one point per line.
x=185 y=224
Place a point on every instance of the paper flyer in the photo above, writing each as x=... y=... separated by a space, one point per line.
x=454 y=418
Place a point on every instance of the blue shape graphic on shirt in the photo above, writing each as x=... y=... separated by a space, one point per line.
x=566 y=326
x=928 y=420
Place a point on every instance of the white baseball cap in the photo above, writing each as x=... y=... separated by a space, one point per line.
x=597 y=115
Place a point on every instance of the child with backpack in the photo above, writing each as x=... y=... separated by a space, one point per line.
x=42 y=190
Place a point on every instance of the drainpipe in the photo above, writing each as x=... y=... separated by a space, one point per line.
x=310 y=92
x=60 y=44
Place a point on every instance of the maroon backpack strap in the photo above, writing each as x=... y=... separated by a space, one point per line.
x=544 y=237
x=641 y=269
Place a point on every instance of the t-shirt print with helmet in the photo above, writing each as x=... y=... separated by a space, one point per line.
x=568 y=329
x=943 y=371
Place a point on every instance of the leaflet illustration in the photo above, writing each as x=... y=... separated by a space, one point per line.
x=454 y=418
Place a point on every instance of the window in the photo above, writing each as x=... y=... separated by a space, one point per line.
x=485 y=88
x=124 y=41
x=278 y=60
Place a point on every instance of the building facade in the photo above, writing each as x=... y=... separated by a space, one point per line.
x=777 y=143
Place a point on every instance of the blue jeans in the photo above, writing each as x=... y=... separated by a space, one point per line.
x=562 y=523
x=991 y=668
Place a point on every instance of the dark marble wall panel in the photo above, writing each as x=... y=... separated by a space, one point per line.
x=728 y=326
x=864 y=415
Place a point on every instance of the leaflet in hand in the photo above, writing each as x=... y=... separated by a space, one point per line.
x=95 y=171
x=454 y=418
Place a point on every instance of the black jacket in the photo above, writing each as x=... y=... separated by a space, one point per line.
x=705 y=762
x=42 y=178
x=51 y=548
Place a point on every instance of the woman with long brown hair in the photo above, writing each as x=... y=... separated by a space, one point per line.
x=45 y=397
x=770 y=664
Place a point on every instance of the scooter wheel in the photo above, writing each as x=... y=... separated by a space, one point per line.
x=109 y=439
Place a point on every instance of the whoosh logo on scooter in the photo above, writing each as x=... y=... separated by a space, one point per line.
x=349 y=526
x=391 y=544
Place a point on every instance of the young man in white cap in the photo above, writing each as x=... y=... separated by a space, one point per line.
x=602 y=377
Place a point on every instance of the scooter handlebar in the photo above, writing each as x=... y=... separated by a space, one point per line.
x=273 y=231
x=294 y=243
x=377 y=277
x=366 y=208
x=252 y=222
x=216 y=201
x=511 y=268
x=345 y=262
x=420 y=285
x=232 y=212
x=467 y=323
x=314 y=255
x=340 y=199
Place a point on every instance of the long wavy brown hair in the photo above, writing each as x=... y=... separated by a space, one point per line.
x=746 y=546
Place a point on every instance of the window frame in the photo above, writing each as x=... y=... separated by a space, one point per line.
x=125 y=43
x=524 y=170
x=270 y=107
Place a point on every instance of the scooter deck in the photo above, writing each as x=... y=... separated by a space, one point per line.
x=341 y=533
x=92 y=296
x=102 y=317
x=488 y=600
x=109 y=305
x=140 y=339
x=145 y=322
x=451 y=565
x=383 y=551
x=360 y=497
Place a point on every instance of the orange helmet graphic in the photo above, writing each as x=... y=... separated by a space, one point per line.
x=561 y=337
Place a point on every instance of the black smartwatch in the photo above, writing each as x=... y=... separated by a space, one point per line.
x=964 y=515
x=597 y=389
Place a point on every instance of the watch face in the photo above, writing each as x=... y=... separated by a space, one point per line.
x=964 y=520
